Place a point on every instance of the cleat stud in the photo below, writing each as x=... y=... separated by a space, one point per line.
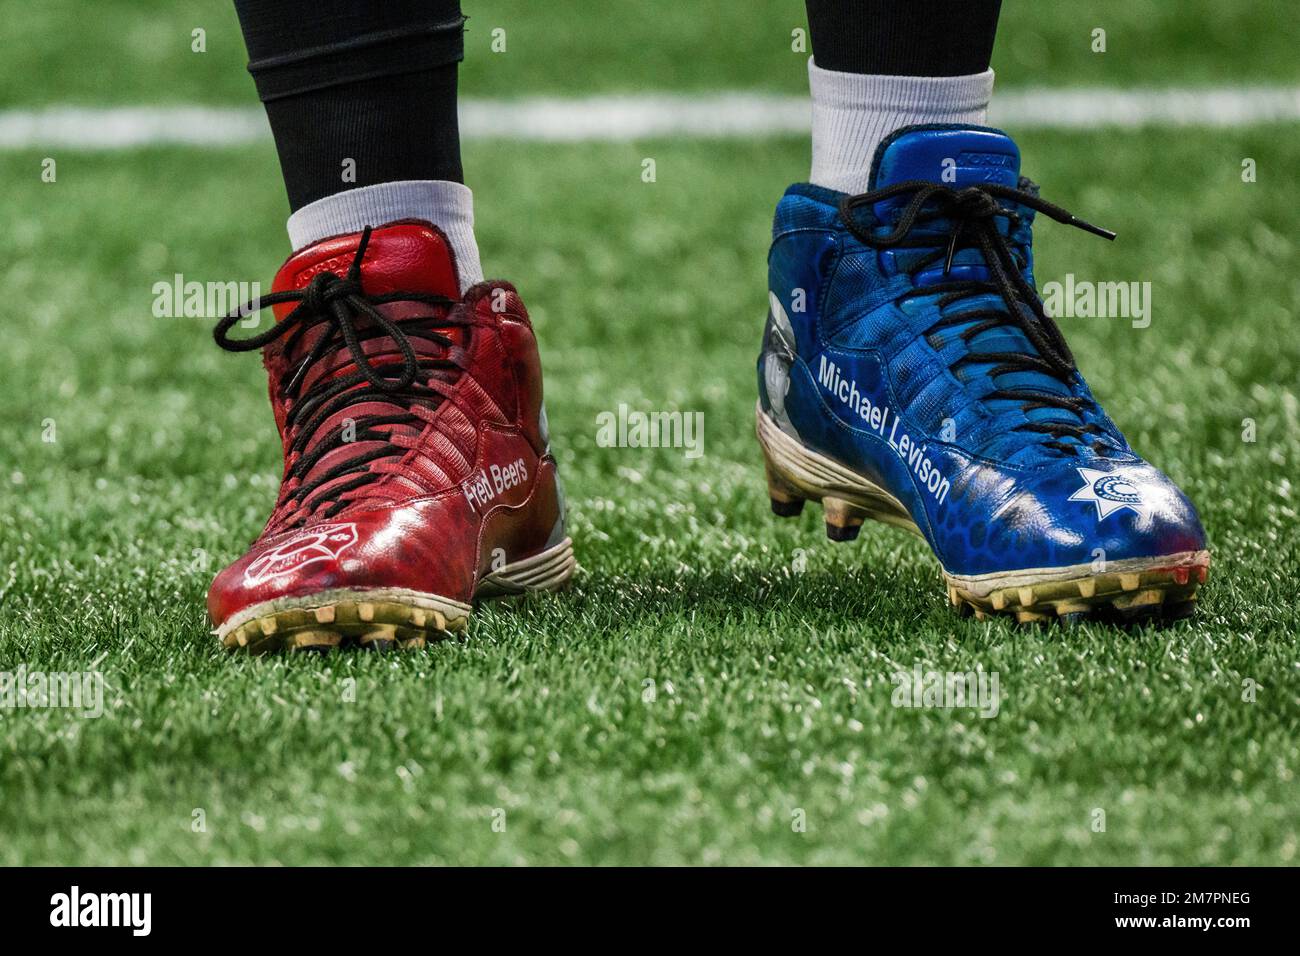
x=1030 y=617
x=325 y=615
x=313 y=640
x=1130 y=582
x=382 y=637
x=366 y=612
x=439 y=621
x=953 y=599
x=1066 y=608
x=787 y=509
x=843 y=519
x=786 y=501
x=1150 y=598
x=979 y=614
x=418 y=617
x=1181 y=575
x=849 y=533
x=1088 y=588
x=1026 y=596
x=268 y=625
x=999 y=600
x=1202 y=572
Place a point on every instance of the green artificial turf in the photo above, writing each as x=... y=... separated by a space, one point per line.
x=716 y=675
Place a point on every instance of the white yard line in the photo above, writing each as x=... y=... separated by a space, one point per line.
x=620 y=118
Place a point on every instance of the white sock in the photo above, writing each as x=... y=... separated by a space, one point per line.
x=449 y=206
x=853 y=112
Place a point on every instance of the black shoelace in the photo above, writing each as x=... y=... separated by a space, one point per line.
x=340 y=303
x=973 y=212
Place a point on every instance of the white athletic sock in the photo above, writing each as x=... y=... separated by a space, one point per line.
x=449 y=206
x=853 y=112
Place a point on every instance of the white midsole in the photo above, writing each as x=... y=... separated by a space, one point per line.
x=818 y=476
x=429 y=602
x=542 y=572
x=981 y=585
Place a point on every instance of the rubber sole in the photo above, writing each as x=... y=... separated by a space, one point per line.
x=384 y=618
x=1134 y=590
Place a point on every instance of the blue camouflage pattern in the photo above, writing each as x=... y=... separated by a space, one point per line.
x=849 y=370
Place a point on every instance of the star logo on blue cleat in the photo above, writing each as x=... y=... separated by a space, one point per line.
x=1110 y=491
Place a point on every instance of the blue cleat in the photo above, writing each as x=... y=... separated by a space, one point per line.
x=909 y=374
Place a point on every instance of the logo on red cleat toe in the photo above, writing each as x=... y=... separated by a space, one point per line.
x=322 y=543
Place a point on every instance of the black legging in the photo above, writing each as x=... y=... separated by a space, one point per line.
x=903 y=37
x=375 y=83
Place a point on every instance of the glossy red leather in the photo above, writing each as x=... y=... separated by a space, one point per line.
x=476 y=482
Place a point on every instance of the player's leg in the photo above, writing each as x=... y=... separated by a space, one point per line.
x=407 y=390
x=880 y=65
x=361 y=98
x=909 y=373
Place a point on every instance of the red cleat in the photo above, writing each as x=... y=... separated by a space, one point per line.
x=417 y=475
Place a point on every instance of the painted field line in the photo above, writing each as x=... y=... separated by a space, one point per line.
x=621 y=118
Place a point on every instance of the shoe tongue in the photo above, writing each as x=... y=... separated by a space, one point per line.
x=956 y=156
x=400 y=257
x=406 y=256
x=410 y=257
